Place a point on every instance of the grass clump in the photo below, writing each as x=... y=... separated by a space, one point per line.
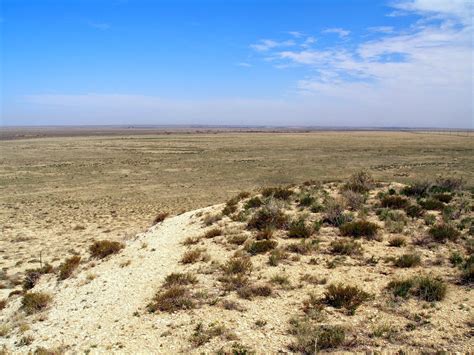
x=193 y=256
x=238 y=265
x=172 y=299
x=250 y=291
x=34 y=302
x=408 y=260
x=304 y=247
x=254 y=202
x=265 y=234
x=261 y=246
x=345 y=247
x=334 y=213
x=348 y=297
x=359 y=229
x=449 y=184
x=397 y=242
x=414 y=211
x=33 y=275
x=467 y=271
x=432 y=204
x=279 y=193
x=160 y=217
x=269 y=216
x=210 y=219
x=306 y=200
x=360 y=182
x=179 y=279
x=276 y=256
x=299 y=229
x=394 y=201
x=203 y=335
x=443 y=197
x=425 y=287
x=68 y=266
x=103 y=248
x=310 y=338
x=442 y=232
x=417 y=189
x=212 y=233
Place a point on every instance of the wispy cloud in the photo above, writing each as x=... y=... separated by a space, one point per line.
x=339 y=31
x=382 y=29
x=244 y=64
x=267 y=44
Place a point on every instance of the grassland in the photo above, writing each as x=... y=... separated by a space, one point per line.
x=59 y=193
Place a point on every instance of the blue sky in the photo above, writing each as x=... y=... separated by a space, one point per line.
x=294 y=62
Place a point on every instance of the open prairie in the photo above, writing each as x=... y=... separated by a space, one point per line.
x=59 y=193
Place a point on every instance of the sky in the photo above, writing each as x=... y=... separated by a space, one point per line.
x=348 y=63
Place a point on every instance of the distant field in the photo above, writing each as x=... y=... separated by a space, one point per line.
x=59 y=193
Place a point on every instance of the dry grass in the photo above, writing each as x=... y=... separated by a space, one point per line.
x=103 y=248
x=33 y=302
x=68 y=266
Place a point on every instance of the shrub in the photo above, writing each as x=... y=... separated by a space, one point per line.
x=316 y=207
x=311 y=338
x=353 y=199
x=238 y=265
x=160 y=217
x=397 y=242
x=261 y=246
x=102 y=248
x=33 y=275
x=250 y=291
x=299 y=229
x=386 y=214
x=210 y=219
x=417 y=189
x=229 y=209
x=360 y=182
x=426 y=288
x=429 y=219
x=171 y=300
x=394 y=227
x=443 y=232
x=348 y=297
x=334 y=213
x=359 y=229
x=277 y=192
x=394 y=201
x=203 y=335
x=414 y=211
x=408 y=260
x=467 y=275
x=345 y=247
x=212 y=233
x=265 y=234
x=254 y=202
x=33 y=302
x=401 y=288
x=193 y=256
x=276 y=256
x=306 y=200
x=281 y=279
x=446 y=198
x=179 y=279
x=456 y=259
x=238 y=239
x=268 y=217
x=431 y=204
x=68 y=266
x=448 y=184
x=304 y=247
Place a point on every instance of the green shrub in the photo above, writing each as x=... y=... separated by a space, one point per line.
x=397 y=242
x=446 y=198
x=408 y=260
x=316 y=207
x=334 y=213
x=268 y=217
x=33 y=302
x=431 y=204
x=426 y=288
x=68 y=266
x=254 y=202
x=467 y=275
x=394 y=201
x=443 y=232
x=414 y=211
x=417 y=189
x=401 y=288
x=345 y=247
x=172 y=299
x=299 y=229
x=277 y=192
x=348 y=297
x=306 y=200
x=261 y=246
x=359 y=229
x=429 y=219
x=103 y=248
x=386 y=214
x=456 y=258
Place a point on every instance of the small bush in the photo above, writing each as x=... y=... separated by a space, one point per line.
x=172 y=299
x=193 y=256
x=68 y=266
x=276 y=256
x=281 y=279
x=277 y=192
x=238 y=239
x=408 y=260
x=210 y=219
x=203 y=335
x=446 y=198
x=250 y=291
x=316 y=207
x=254 y=202
x=359 y=229
x=33 y=275
x=212 y=233
x=261 y=246
x=360 y=182
x=304 y=247
x=3 y=304
x=467 y=274
x=33 y=302
x=102 y=248
x=426 y=288
x=348 y=297
x=431 y=204
x=448 y=184
x=353 y=199
x=394 y=201
x=429 y=219
x=306 y=200
x=160 y=217
x=443 y=232
x=414 y=211
x=229 y=209
x=299 y=229
x=310 y=338
x=386 y=214
x=456 y=259
x=401 y=288
x=179 y=279
x=268 y=217
x=265 y=234
x=238 y=265
x=334 y=213
x=345 y=247
x=397 y=242
x=417 y=189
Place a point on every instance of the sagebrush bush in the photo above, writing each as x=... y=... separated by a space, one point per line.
x=250 y=291
x=408 y=260
x=359 y=229
x=172 y=299
x=394 y=201
x=303 y=247
x=310 y=338
x=467 y=272
x=160 y=217
x=443 y=197
x=238 y=265
x=397 y=242
x=360 y=182
x=33 y=302
x=448 y=184
x=306 y=200
x=179 y=279
x=299 y=229
x=254 y=202
x=345 y=247
x=279 y=193
x=261 y=246
x=443 y=232
x=68 y=266
x=348 y=297
x=353 y=199
x=334 y=213
x=414 y=211
x=432 y=204
x=270 y=216
x=425 y=287
x=102 y=248
x=417 y=189
x=193 y=256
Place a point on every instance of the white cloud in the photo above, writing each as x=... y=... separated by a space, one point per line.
x=267 y=44
x=244 y=64
x=296 y=34
x=382 y=29
x=339 y=31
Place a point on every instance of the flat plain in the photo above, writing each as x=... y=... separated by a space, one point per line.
x=58 y=193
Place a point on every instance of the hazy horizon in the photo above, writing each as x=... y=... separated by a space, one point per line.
x=400 y=63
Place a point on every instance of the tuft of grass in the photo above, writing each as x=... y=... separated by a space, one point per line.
x=238 y=239
x=408 y=260
x=261 y=246
x=212 y=233
x=448 y=184
x=210 y=219
x=310 y=338
x=394 y=201
x=68 y=266
x=348 y=297
x=397 y=242
x=160 y=217
x=33 y=302
x=443 y=197
x=172 y=299
x=427 y=288
x=103 y=248
x=279 y=193
x=254 y=202
x=265 y=234
x=401 y=288
x=238 y=265
x=202 y=334
x=456 y=259
x=417 y=189
x=414 y=211
x=193 y=256
x=33 y=275
x=281 y=279
x=299 y=229
x=250 y=291
x=359 y=229
x=276 y=256
x=306 y=200
x=179 y=279
x=345 y=247
x=467 y=273
x=303 y=247
x=269 y=216
x=443 y=232
x=360 y=182
x=432 y=204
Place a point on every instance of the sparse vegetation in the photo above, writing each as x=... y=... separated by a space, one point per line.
x=394 y=201
x=426 y=288
x=33 y=302
x=212 y=233
x=353 y=199
x=397 y=242
x=279 y=193
x=310 y=338
x=193 y=256
x=261 y=246
x=443 y=232
x=348 y=297
x=269 y=216
x=172 y=299
x=103 y=248
x=179 y=279
x=160 y=217
x=360 y=182
x=432 y=204
x=408 y=260
x=334 y=213
x=345 y=247
x=68 y=266
x=254 y=202
x=303 y=247
x=360 y=229
x=299 y=229
x=238 y=265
